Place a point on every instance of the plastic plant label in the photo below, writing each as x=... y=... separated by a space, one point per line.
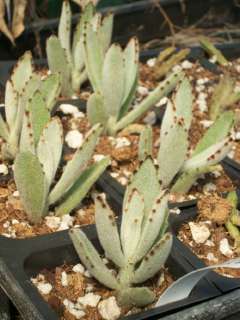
x=182 y=287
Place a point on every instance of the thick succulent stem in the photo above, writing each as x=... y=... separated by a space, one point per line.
x=163 y=89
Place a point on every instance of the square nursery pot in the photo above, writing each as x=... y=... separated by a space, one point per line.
x=141 y=18
x=22 y=259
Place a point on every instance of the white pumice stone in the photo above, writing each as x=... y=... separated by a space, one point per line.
x=162 y=102
x=200 y=88
x=98 y=157
x=143 y=91
x=3 y=169
x=121 y=142
x=114 y=174
x=16 y=194
x=150 y=118
x=89 y=288
x=202 y=105
x=186 y=64
x=87 y=274
x=52 y=222
x=6 y=224
x=108 y=309
x=237 y=135
x=66 y=222
x=175 y=211
x=44 y=288
x=90 y=299
x=74 y=309
x=211 y=257
x=225 y=248
x=209 y=243
x=151 y=62
x=64 y=279
x=15 y=221
x=206 y=123
x=123 y=180
x=200 y=232
x=177 y=68
x=78 y=268
x=74 y=139
x=161 y=279
x=209 y=187
x=68 y=108
x=213 y=59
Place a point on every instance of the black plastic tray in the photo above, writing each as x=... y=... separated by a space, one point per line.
x=20 y=260
x=141 y=18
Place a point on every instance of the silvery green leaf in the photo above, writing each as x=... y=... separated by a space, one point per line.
x=91 y=259
x=151 y=227
x=78 y=56
x=50 y=90
x=145 y=180
x=131 y=225
x=113 y=72
x=154 y=260
x=22 y=72
x=107 y=231
x=217 y=132
x=93 y=57
x=173 y=146
x=4 y=133
x=76 y=165
x=139 y=297
x=81 y=187
x=27 y=135
x=183 y=102
x=96 y=112
x=145 y=143
x=29 y=178
x=11 y=103
x=49 y=148
x=105 y=32
x=131 y=58
x=64 y=29
x=58 y=63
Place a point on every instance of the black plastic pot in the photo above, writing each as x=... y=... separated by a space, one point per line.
x=22 y=259
x=141 y=18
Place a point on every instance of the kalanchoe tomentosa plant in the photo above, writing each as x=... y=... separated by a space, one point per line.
x=36 y=165
x=138 y=251
x=179 y=166
x=28 y=96
x=114 y=78
x=68 y=59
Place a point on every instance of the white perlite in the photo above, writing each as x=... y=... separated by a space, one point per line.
x=3 y=169
x=211 y=257
x=71 y=109
x=109 y=309
x=74 y=139
x=64 y=279
x=78 y=268
x=16 y=194
x=206 y=123
x=52 y=222
x=225 y=249
x=90 y=299
x=200 y=232
x=150 y=118
x=98 y=157
x=209 y=187
x=151 y=62
x=162 y=102
x=74 y=309
x=143 y=91
x=66 y=222
x=44 y=288
x=186 y=64
x=121 y=142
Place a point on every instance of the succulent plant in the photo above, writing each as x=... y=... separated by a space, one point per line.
x=180 y=167
x=114 y=78
x=36 y=165
x=224 y=95
x=69 y=59
x=26 y=96
x=167 y=59
x=141 y=247
x=207 y=45
x=233 y=223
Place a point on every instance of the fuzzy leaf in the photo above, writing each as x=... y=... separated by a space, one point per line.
x=11 y=103
x=132 y=223
x=49 y=149
x=78 y=56
x=151 y=227
x=145 y=143
x=58 y=63
x=76 y=165
x=96 y=112
x=183 y=102
x=108 y=232
x=131 y=58
x=113 y=72
x=50 y=90
x=29 y=178
x=22 y=72
x=64 y=28
x=173 y=146
x=145 y=180
x=27 y=135
x=4 y=133
x=217 y=132
x=139 y=297
x=154 y=260
x=81 y=187
x=105 y=32
x=91 y=259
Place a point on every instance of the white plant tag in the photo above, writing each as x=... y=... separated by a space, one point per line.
x=181 y=288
